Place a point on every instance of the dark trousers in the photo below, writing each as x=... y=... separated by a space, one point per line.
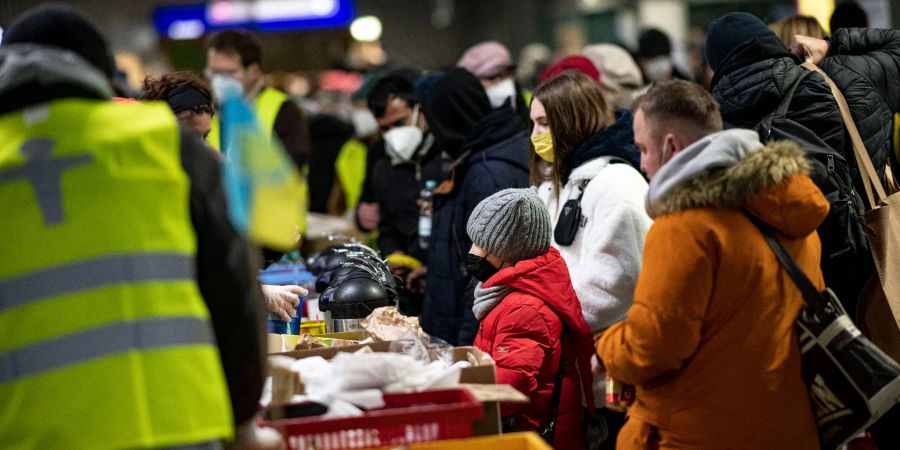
x=615 y=421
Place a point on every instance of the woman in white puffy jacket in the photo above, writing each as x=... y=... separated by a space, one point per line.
x=585 y=156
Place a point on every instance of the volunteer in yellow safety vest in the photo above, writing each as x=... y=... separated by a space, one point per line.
x=238 y=54
x=189 y=97
x=115 y=232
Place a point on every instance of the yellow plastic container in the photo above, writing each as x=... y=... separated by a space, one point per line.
x=312 y=327
x=512 y=441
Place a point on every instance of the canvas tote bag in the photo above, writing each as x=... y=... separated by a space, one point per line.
x=884 y=240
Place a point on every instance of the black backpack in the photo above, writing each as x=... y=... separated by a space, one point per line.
x=843 y=231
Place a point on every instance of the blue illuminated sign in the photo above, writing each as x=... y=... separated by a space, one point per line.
x=193 y=21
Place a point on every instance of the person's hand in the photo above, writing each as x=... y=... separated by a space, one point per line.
x=283 y=300
x=425 y=206
x=368 y=215
x=249 y=436
x=415 y=281
x=809 y=48
x=402 y=264
x=400 y=271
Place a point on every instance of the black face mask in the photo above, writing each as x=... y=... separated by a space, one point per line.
x=479 y=267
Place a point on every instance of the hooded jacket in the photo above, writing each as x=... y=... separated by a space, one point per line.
x=710 y=342
x=490 y=151
x=524 y=336
x=33 y=74
x=605 y=257
x=865 y=65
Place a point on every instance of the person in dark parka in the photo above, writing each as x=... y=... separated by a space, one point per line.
x=489 y=149
x=753 y=70
x=865 y=65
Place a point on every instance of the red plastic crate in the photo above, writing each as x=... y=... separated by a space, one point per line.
x=405 y=419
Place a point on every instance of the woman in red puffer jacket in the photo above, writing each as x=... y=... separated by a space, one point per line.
x=531 y=320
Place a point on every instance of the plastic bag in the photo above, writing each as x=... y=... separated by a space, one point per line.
x=353 y=371
x=423 y=348
x=389 y=324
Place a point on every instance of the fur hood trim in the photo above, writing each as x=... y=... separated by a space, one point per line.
x=734 y=186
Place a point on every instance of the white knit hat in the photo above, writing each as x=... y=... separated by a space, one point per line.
x=617 y=68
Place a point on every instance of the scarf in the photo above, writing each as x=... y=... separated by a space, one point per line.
x=487 y=298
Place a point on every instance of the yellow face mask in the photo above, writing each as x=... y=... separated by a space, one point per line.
x=543 y=146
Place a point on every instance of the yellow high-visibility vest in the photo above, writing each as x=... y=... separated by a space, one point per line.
x=350 y=168
x=267 y=105
x=105 y=341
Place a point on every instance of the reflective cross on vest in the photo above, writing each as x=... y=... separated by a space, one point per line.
x=44 y=172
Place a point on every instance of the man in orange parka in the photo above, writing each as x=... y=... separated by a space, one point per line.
x=710 y=342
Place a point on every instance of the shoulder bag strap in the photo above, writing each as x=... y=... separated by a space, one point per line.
x=548 y=432
x=581 y=188
x=807 y=289
x=863 y=160
x=789 y=96
x=584 y=183
x=782 y=108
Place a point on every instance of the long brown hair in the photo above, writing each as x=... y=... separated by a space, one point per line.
x=794 y=25
x=576 y=110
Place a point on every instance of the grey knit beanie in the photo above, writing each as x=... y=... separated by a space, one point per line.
x=512 y=224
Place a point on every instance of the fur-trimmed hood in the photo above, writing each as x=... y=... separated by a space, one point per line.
x=732 y=169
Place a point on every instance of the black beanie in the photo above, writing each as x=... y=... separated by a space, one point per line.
x=653 y=43
x=453 y=106
x=64 y=27
x=728 y=32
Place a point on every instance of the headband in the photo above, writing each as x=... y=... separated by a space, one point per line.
x=186 y=97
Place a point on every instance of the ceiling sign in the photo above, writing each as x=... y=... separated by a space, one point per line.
x=193 y=21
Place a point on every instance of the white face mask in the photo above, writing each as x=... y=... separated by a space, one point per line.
x=659 y=68
x=364 y=122
x=401 y=143
x=498 y=93
x=225 y=86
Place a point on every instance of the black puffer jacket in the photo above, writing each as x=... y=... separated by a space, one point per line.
x=397 y=189
x=755 y=76
x=864 y=63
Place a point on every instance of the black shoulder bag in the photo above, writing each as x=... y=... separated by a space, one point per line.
x=571 y=217
x=595 y=428
x=548 y=432
x=851 y=382
x=510 y=424
x=843 y=233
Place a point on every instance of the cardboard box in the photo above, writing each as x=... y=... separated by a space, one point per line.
x=285 y=343
x=356 y=335
x=329 y=352
x=482 y=375
x=277 y=343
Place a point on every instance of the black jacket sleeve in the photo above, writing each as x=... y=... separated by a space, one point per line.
x=387 y=193
x=374 y=153
x=865 y=65
x=226 y=280
x=872 y=53
x=292 y=128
